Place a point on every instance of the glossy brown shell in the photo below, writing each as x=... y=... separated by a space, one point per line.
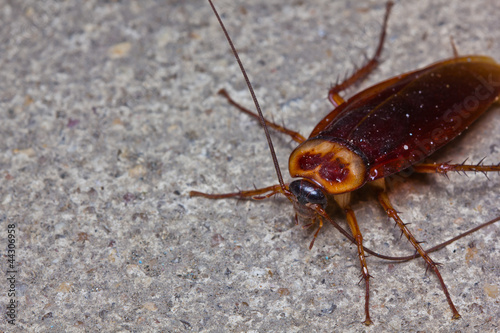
x=399 y=122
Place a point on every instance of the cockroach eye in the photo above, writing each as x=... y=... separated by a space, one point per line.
x=307 y=192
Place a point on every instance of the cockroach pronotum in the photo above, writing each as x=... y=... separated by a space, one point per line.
x=388 y=128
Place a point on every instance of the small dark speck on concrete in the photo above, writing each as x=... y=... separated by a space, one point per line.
x=187 y=325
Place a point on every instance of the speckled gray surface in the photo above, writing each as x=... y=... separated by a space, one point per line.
x=109 y=117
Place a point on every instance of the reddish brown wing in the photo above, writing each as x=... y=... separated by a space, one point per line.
x=399 y=122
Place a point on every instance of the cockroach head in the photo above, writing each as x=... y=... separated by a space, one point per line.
x=331 y=165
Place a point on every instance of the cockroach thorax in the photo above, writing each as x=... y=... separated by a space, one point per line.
x=333 y=166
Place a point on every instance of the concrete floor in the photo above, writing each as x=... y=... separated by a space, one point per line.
x=109 y=117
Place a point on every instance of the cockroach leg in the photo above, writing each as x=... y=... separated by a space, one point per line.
x=454 y=47
x=257 y=194
x=320 y=225
x=358 y=239
x=343 y=200
x=436 y=247
x=308 y=225
x=362 y=72
x=444 y=168
x=391 y=212
x=296 y=136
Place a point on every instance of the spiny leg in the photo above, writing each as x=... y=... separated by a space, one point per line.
x=444 y=168
x=391 y=212
x=436 y=247
x=454 y=47
x=320 y=225
x=257 y=194
x=343 y=201
x=361 y=73
x=294 y=135
x=356 y=233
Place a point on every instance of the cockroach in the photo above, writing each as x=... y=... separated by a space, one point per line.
x=388 y=128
